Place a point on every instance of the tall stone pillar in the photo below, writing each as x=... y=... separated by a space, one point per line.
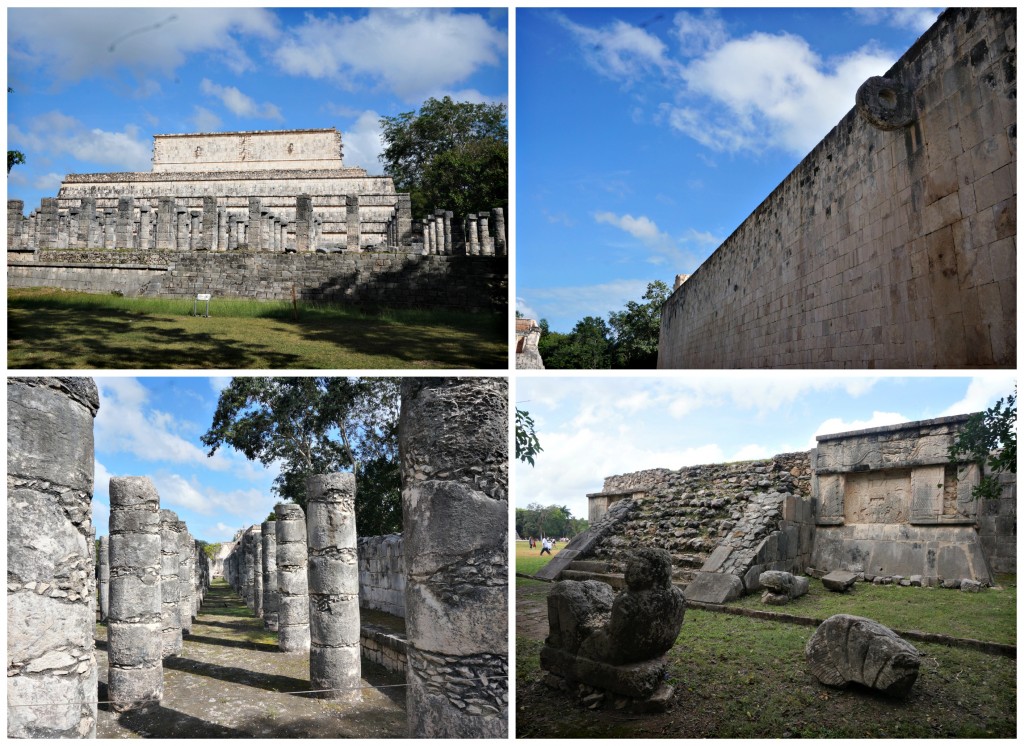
x=252 y=242
x=257 y=569
x=352 y=222
x=405 y=232
x=472 y=236
x=428 y=236
x=186 y=565
x=222 y=229
x=334 y=654
x=51 y=669
x=195 y=235
x=270 y=589
x=74 y=219
x=15 y=219
x=109 y=228
x=170 y=592
x=500 y=242
x=166 y=210
x=303 y=223
x=123 y=238
x=208 y=240
x=145 y=228
x=453 y=442
x=134 y=642
x=249 y=569
x=46 y=224
x=104 y=577
x=181 y=228
x=86 y=220
x=486 y=242
x=448 y=248
x=293 y=602
x=439 y=232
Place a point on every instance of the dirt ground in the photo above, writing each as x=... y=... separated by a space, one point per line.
x=230 y=681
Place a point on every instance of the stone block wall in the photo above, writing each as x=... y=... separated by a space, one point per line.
x=382 y=574
x=396 y=280
x=997 y=527
x=884 y=248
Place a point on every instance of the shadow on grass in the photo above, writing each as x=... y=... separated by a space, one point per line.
x=264 y=647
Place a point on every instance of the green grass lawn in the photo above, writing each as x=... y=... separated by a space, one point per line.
x=50 y=328
x=529 y=561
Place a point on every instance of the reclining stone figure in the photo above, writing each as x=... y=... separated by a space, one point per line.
x=616 y=643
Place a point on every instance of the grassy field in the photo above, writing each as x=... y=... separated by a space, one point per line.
x=529 y=560
x=739 y=677
x=50 y=328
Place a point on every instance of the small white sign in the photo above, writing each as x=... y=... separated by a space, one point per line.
x=203 y=296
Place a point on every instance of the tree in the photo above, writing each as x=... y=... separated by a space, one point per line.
x=637 y=328
x=451 y=155
x=527 y=444
x=588 y=345
x=14 y=157
x=989 y=437
x=548 y=520
x=318 y=425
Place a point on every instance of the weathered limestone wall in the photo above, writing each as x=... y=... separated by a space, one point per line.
x=883 y=248
x=334 y=655
x=292 y=563
x=50 y=578
x=997 y=527
x=186 y=578
x=382 y=574
x=134 y=637
x=258 y=150
x=170 y=589
x=395 y=280
x=453 y=442
x=890 y=503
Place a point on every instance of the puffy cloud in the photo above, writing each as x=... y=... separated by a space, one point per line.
x=53 y=134
x=73 y=44
x=982 y=392
x=238 y=103
x=49 y=182
x=913 y=19
x=620 y=51
x=647 y=232
x=179 y=492
x=205 y=120
x=697 y=33
x=414 y=52
x=363 y=142
x=839 y=425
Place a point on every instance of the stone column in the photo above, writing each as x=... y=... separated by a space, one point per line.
x=166 y=209
x=104 y=577
x=448 y=215
x=134 y=643
x=500 y=243
x=486 y=242
x=405 y=232
x=170 y=594
x=208 y=241
x=438 y=232
x=453 y=443
x=181 y=226
x=472 y=236
x=123 y=238
x=334 y=654
x=74 y=219
x=222 y=229
x=195 y=236
x=303 y=223
x=144 y=227
x=15 y=218
x=63 y=229
x=46 y=224
x=86 y=220
x=257 y=570
x=248 y=570
x=253 y=238
x=198 y=575
x=186 y=565
x=352 y=222
x=50 y=586
x=428 y=236
x=109 y=228
x=270 y=589
x=293 y=602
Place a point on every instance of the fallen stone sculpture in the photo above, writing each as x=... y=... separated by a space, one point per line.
x=782 y=587
x=848 y=648
x=839 y=581
x=617 y=643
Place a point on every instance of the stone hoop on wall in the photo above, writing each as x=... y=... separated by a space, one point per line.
x=885 y=103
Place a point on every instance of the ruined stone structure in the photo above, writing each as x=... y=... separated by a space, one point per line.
x=890 y=503
x=135 y=624
x=527 y=338
x=103 y=576
x=51 y=669
x=847 y=648
x=170 y=588
x=334 y=655
x=271 y=593
x=293 y=602
x=882 y=503
x=892 y=244
x=186 y=573
x=453 y=443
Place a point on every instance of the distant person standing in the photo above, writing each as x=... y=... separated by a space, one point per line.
x=545 y=545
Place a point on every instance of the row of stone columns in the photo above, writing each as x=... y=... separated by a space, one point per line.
x=472 y=236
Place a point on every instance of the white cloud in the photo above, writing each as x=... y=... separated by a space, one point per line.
x=73 y=44
x=219 y=383
x=699 y=33
x=621 y=51
x=752 y=452
x=363 y=142
x=179 y=492
x=577 y=302
x=525 y=309
x=238 y=103
x=414 y=52
x=647 y=232
x=49 y=182
x=913 y=19
x=839 y=425
x=52 y=134
x=205 y=120
x=982 y=392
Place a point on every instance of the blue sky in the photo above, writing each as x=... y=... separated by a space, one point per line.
x=92 y=86
x=151 y=427
x=594 y=427
x=645 y=137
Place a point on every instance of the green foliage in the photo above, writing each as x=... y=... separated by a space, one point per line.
x=527 y=444
x=989 y=438
x=210 y=550
x=629 y=339
x=318 y=425
x=450 y=155
x=14 y=158
x=548 y=520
